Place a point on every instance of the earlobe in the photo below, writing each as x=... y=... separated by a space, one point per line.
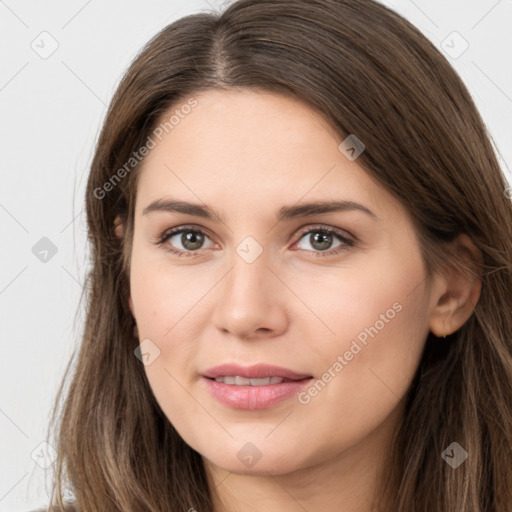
x=459 y=292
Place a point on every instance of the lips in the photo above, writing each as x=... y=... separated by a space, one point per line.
x=253 y=387
x=258 y=371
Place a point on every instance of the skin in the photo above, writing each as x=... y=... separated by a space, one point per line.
x=246 y=154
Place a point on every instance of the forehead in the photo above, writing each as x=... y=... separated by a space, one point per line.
x=253 y=149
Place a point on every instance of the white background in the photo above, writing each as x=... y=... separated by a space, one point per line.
x=51 y=113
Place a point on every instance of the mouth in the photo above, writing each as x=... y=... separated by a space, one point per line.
x=243 y=381
x=235 y=373
x=256 y=387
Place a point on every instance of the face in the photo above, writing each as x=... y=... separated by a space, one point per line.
x=337 y=299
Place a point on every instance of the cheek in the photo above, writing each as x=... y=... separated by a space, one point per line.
x=380 y=324
x=161 y=299
x=167 y=304
x=162 y=294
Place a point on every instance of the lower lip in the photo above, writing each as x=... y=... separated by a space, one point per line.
x=254 y=397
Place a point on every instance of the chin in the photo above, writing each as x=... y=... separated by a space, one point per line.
x=245 y=458
x=260 y=468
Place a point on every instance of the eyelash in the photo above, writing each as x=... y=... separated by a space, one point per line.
x=318 y=254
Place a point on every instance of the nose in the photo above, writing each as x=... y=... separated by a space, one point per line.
x=251 y=302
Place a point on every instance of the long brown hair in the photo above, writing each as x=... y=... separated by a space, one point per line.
x=372 y=74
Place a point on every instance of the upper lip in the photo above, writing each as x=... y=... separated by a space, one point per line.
x=256 y=371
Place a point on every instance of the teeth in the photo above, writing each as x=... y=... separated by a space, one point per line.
x=242 y=381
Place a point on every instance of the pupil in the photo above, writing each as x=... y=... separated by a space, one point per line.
x=191 y=237
x=324 y=239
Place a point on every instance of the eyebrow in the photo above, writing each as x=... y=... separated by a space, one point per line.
x=285 y=213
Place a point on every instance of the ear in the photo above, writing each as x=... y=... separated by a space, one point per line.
x=118 y=230
x=118 y=227
x=456 y=294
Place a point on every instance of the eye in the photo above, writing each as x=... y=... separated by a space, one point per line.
x=320 y=239
x=190 y=239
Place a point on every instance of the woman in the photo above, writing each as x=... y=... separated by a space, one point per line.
x=301 y=276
